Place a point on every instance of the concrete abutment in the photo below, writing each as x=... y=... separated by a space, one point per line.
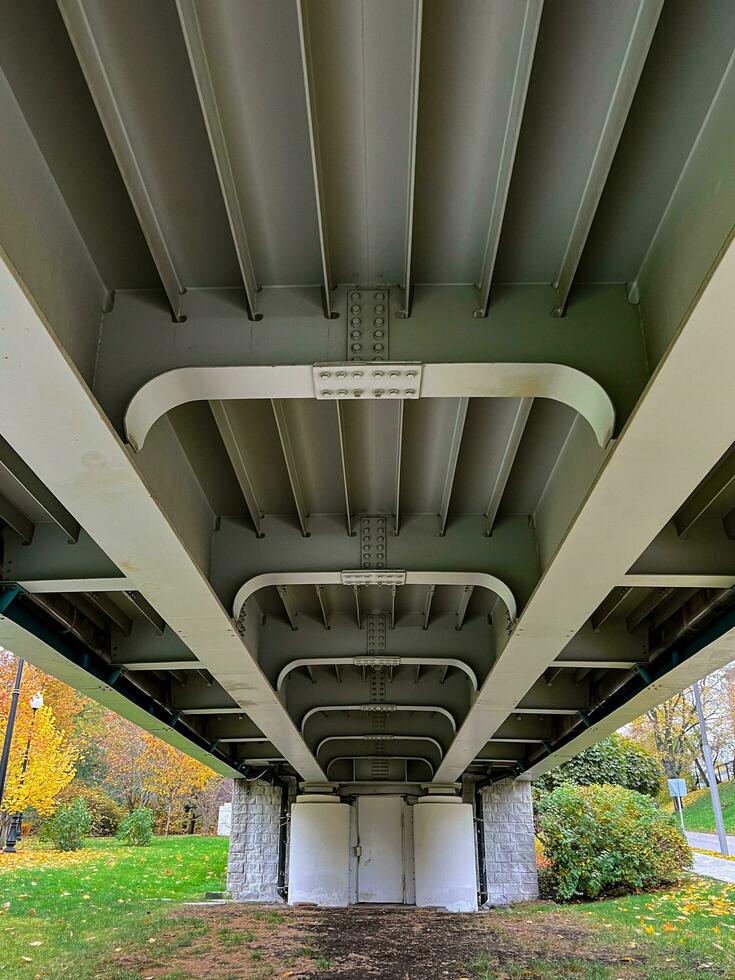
x=434 y=840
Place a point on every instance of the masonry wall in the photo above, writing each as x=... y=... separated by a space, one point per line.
x=252 y=868
x=509 y=842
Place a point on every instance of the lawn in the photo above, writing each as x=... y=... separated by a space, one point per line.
x=67 y=912
x=110 y=911
x=698 y=814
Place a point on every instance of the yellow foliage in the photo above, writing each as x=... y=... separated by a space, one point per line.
x=50 y=763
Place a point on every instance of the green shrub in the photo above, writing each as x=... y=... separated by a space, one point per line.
x=599 y=840
x=137 y=827
x=106 y=814
x=615 y=761
x=68 y=827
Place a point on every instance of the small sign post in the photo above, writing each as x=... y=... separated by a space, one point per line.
x=678 y=789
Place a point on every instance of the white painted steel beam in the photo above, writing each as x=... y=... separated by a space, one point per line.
x=76 y=585
x=705 y=496
x=79 y=25
x=626 y=84
x=19 y=470
x=514 y=117
x=287 y=605
x=344 y=662
x=10 y=514
x=289 y=458
x=323 y=605
x=418 y=10
x=454 y=447
x=239 y=464
x=502 y=380
x=382 y=707
x=379 y=737
x=679 y=581
x=463 y=604
x=344 y=465
x=506 y=464
x=381 y=758
x=316 y=165
x=399 y=458
x=74 y=450
x=713 y=657
x=599 y=664
x=482 y=580
x=191 y=29
x=245 y=740
x=428 y=599
x=35 y=651
x=682 y=426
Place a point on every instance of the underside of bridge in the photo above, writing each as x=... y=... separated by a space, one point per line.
x=366 y=401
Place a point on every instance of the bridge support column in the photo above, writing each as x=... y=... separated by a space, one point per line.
x=444 y=853
x=319 y=851
x=252 y=867
x=510 y=854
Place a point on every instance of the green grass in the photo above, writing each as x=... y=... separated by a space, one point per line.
x=562 y=968
x=61 y=913
x=698 y=814
x=99 y=913
x=680 y=933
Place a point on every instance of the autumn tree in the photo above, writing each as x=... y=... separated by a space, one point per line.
x=73 y=733
x=172 y=777
x=49 y=769
x=125 y=761
x=671 y=729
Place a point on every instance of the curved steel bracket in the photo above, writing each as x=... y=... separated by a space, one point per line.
x=380 y=737
x=380 y=707
x=382 y=758
x=482 y=380
x=375 y=661
x=479 y=579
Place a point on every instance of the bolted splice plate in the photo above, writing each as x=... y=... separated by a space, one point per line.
x=368 y=380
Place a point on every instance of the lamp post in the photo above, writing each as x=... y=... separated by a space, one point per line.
x=10 y=725
x=14 y=832
x=711 y=778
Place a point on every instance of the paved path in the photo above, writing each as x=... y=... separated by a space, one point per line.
x=709 y=842
x=712 y=867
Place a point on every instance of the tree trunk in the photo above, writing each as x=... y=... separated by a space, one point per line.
x=4 y=828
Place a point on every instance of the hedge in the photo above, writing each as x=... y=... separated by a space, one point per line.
x=616 y=761
x=601 y=840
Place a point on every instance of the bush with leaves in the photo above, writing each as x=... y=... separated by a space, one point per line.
x=105 y=812
x=67 y=828
x=137 y=827
x=615 y=761
x=601 y=840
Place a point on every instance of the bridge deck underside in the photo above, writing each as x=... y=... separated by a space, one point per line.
x=365 y=403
